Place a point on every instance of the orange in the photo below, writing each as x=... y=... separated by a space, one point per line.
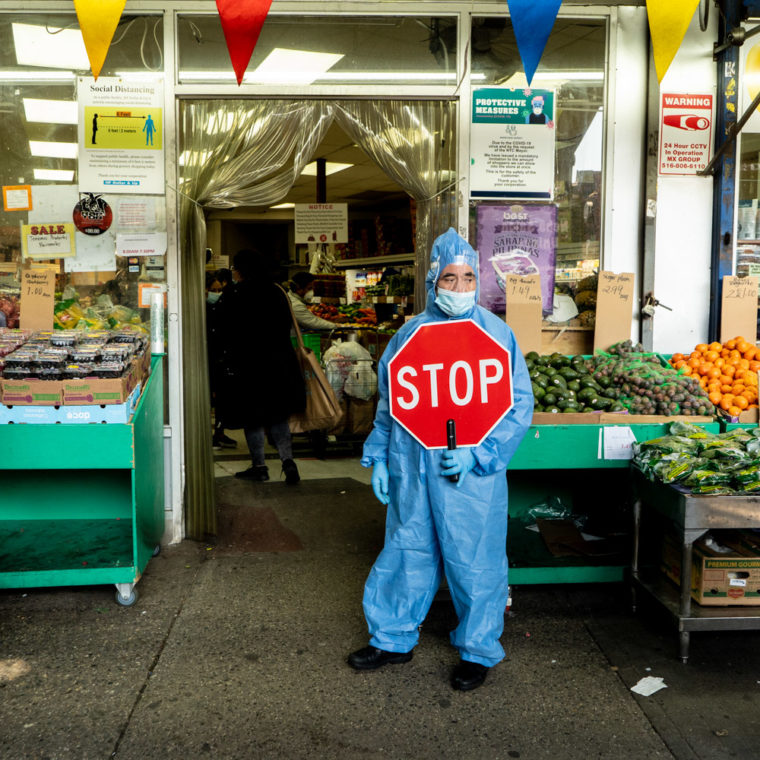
x=714 y=372
x=750 y=353
x=694 y=362
x=741 y=402
x=725 y=352
x=711 y=355
x=735 y=354
x=754 y=365
x=730 y=344
x=715 y=397
x=715 y=346
x=719 y=362
x=713 y=388
x=742 y=346
x=705 y=367
x=687 y=370
x=726 y=388
x=726 y=401
x=680 y=363
x=743 y=363
x=677 y=357
x=734 y=411
x=729 y=369
x=701 y=347
x=738 y=388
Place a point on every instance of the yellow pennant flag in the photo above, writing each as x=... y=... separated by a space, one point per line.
x=98 y=20
x=668 y=22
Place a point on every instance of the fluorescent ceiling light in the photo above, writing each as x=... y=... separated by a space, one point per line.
x=310 y=170
x=54 y=175
x=284 y=66
x=53 y=149
x=284 y=205
x=50 y=111
x=572 y=75
x=9 y=75
x=329 y=77
x=36 y=46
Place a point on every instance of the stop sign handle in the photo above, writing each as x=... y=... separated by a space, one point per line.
x=451 y=443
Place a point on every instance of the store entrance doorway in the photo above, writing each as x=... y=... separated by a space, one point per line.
x=243 y=159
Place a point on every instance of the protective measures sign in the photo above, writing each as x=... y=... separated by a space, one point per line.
x=430 y=384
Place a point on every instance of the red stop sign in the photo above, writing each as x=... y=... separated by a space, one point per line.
x=450 y=371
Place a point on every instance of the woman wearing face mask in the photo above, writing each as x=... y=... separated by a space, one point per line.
x=300 y=291
x=435 y=526
x=215 y=287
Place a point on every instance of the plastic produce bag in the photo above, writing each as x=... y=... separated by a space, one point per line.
x=361 y=381
x=704 y=477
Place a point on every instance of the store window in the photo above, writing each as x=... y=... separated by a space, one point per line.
x=41 y=58
x=570 y=76
x=325 y=50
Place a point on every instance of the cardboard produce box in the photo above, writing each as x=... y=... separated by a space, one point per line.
x=717 y=579
x=32 y=392
x=99 y=390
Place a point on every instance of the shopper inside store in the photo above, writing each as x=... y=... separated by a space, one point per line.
x=435 y=526
x=300 y=293
x=261 y=386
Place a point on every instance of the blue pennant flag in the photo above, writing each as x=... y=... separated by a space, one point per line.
x=532 y=21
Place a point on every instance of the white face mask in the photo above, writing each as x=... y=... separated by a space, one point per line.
x=454 y=304
x=308 y=295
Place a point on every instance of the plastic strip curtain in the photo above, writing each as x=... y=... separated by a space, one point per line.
x=414 y=143
x=232 y=153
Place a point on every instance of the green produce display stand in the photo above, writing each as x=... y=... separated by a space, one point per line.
x=566 y=463
x=83 y=504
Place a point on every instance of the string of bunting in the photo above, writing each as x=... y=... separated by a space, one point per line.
x=532 y=22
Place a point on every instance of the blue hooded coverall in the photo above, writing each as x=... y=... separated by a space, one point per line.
x=433 y=526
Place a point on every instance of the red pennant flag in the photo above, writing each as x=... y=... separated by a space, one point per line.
x=241 y=22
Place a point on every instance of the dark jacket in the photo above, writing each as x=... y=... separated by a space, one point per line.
x=261 y=381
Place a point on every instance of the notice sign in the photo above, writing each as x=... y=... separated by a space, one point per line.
x=121 y=135
x=48 y=241
x=149 y=244
x=685 y=133
x=321 y=222
x=17 y=197
x=37 y=299
x=512 y=139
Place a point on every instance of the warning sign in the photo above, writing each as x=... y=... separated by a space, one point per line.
x=685 y=133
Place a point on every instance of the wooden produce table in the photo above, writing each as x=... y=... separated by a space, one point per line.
x=83 y=504
x=692 y=516
x=566 y=459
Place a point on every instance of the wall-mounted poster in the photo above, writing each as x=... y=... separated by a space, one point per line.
x=512 y=135
x=518 y=239
x=121 y=135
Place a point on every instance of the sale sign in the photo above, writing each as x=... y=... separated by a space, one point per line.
x=446 y=371
x=685 y=133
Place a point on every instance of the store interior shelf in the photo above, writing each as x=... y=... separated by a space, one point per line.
x=375 y=261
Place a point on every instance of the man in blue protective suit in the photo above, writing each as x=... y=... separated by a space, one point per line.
x=434 y=525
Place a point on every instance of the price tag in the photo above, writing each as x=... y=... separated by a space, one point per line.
x=614 y=309
x=523 y=313
x=739 y=308
x=37 y=299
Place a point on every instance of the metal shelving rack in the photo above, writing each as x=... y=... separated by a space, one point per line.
x=692 y=516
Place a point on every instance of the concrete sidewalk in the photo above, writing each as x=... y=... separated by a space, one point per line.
x=237 y=650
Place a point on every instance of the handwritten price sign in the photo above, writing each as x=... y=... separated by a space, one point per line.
x=739 y=307
x=614 y=309
x=37 y=291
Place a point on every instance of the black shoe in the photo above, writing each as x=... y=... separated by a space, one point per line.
x=468 y=675
x=223 y=441
x=370 y=658
x=291 y=472
x=259 y=473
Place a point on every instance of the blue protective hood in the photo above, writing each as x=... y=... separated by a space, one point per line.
x=449 y=248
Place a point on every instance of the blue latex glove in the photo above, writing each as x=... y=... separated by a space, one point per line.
x=380 y=478
x=457 y=462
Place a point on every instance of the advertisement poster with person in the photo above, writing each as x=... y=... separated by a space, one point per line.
x=121 y=135
x=512 y=136
x=515 y=240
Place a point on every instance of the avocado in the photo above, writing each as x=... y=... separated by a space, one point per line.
x=549 y=399
x=558 y=381
x=569 y=373
x=532 y=356
x=541 y=380
x=538 y=391
x=552 y=409
x=573 y=385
